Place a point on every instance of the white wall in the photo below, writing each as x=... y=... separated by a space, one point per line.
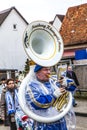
x=12 y=54
x=57 y=23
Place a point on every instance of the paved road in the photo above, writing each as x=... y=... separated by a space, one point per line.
x=4 y=128
x=80 y=125
x=81 y=107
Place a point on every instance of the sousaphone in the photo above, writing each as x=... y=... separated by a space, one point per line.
x=44 y=45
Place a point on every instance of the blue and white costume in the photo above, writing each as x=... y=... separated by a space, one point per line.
x=41 y=96
x=13 y=107
x=22 y=120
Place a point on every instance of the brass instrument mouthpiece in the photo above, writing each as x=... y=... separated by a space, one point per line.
x=49 y=76
x=53 y=78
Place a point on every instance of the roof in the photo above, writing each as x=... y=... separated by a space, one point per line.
x=74 y=26
x=5 y=13
x=51 y=22
x=60 y=16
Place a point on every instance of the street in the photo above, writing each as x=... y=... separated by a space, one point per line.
x=81 y=124
x=4 y=128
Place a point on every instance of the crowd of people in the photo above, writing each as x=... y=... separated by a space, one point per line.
x=10 y=111
x=44 y=94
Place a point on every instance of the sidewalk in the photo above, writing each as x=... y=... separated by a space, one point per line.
x=81 y=108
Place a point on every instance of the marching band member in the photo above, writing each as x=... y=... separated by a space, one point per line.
x=38 y=91
x=23 y=122
x=41 y=95
x=7 y=103
x=10 y=104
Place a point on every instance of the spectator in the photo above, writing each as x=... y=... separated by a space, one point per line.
x=7 y=103
x=71 y=74
x=21 y=76
x=3 y=84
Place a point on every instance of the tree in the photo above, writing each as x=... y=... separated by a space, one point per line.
x=27 y=67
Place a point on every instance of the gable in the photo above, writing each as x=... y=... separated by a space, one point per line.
x=60 y=17
x=5 y=13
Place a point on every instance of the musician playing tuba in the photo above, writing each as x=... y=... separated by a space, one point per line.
x=42 y=95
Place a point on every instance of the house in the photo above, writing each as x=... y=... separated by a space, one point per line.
x=12 y=54
x=74 y=30
x=74 y=34
x=57 y=21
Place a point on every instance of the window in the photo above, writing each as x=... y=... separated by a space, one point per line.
x=15 y=26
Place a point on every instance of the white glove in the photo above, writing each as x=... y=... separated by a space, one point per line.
x=57 y=93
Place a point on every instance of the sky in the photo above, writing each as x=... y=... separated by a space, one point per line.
x=46 y=10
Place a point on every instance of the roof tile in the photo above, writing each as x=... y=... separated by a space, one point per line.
x=74 y=25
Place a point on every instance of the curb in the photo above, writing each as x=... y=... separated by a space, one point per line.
x=81 y=114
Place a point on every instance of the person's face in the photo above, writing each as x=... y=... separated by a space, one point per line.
x=69 y=68
x=10 y=84
x=3 y=81
x=42 y=74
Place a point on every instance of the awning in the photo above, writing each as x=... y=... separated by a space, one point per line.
x=69 y=54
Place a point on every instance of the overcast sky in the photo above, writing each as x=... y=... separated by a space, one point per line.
x=46 y=10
